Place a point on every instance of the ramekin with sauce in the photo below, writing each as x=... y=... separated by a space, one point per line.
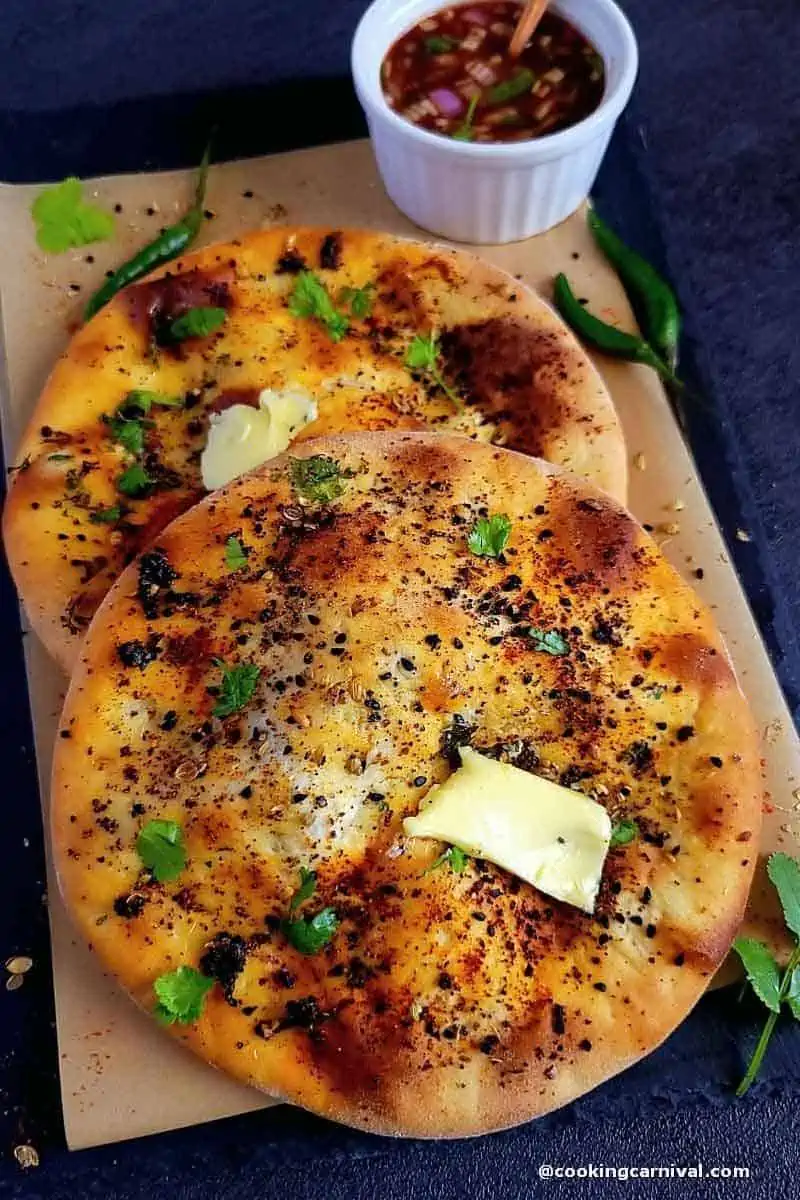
x=438 y=156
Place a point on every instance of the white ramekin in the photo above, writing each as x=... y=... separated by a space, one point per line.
x=473 y=192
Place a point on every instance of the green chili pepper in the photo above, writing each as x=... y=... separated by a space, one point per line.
x=652 y=299
x=605 y=337
x=168 y=245
x=509 y=89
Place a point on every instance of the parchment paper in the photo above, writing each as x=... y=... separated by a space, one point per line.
x=120 y=1076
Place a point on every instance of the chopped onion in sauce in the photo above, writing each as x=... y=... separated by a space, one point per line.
x=447 y=102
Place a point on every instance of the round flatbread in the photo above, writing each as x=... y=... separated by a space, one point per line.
x=76 y=516
x=288 y=713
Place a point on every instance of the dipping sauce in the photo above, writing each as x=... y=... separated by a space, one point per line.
x=452 y=74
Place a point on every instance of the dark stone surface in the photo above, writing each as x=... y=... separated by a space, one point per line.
x=703 y=176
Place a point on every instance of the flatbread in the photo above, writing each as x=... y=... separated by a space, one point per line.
x=446 y=1003
x=526 y=383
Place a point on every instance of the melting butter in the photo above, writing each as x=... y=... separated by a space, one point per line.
x=548 y=835
x=242 y=438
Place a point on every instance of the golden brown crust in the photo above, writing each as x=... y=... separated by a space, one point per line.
x=446 y=1004
x=526 y=381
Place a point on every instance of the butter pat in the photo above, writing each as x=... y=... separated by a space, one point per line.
x=242 y=438
x=548 y=835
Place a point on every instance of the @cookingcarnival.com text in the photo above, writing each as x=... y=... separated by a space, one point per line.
x=625 y=1171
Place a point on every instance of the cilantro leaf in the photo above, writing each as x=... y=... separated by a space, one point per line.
x=106 y=516
x=423 y=352
x=793 y=993
x=135 y=482
x=310 y=934
x=489 y=537
x=623 y=832
x=773 y=988
x=784 y=874
x=65 y=221
x=181 y=995
x=455 y=858
x=440 y=43
x=423 y=355
x=161 y=849
x=318 y=478
x=127 y=425
x=143 y=399
x=762 y=971
x=508 y=89
x=238 y=684
x=358 y=300
x=197 y=322
x=129 y=434
x=308 y=885
x=549 y=641
x=235 y=556
x=310 y=298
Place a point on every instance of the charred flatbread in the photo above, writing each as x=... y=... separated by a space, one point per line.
x=113 y=450
x=281 y=710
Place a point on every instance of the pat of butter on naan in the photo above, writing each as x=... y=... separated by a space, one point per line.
x=548 y=835
x=242 y=438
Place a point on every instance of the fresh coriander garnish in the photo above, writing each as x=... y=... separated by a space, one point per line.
x=237 y=687
x=129 y=433
x=488 y=537
x=127 y=424
x=64 y=220
x=59 y=457
x=197 y=322
x=235 y=557
x=310 y=298
x=549 y=641
x=310 y=934
x=623 y=832
x=106 y=516
x=440 y=43
x=455 y=858
x=181 y=995
x=308 y=885
x=509 y=89
x=144 y=399
x=317 y=479
x=358 y=300
x=655 y=690
x=773 y=988
x=762 y=971
x=134 y=482
x=465 y=132
x=423 y=356
x=161 y=849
